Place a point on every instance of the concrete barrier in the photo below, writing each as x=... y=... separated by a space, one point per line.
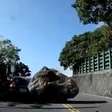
x=97 y=83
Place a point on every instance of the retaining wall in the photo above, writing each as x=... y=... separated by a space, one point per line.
x=99 y=83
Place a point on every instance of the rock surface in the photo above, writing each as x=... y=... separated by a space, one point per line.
x=49 y=84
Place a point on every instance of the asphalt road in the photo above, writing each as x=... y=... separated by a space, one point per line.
x=82 y=103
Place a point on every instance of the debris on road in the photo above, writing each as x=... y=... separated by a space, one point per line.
x=49 y=84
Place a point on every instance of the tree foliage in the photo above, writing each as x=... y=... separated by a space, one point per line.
x=22 y=70
x=84 y=45
x=94 y=11
x=9 y=57
x=8 y=52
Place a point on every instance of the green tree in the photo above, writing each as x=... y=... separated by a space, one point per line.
x=8 y=56
x=10 y=65
x=84 y=45
x=94 y=11
x=8 y=51
x=22 y=70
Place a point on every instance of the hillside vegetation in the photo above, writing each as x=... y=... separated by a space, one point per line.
x=85 y=45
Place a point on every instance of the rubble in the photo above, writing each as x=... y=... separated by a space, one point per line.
x=49 y=84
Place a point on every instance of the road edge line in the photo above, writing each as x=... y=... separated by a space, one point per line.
x=109 y=98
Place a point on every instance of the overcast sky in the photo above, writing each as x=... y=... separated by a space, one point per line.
x=40 y=28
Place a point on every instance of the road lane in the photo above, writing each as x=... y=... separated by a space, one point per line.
x=92 y=103
x=82 y=103
x=21 y=107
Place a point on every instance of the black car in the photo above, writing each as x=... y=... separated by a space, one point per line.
x=19 y=85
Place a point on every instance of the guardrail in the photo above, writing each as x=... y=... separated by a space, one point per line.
x=101 y=61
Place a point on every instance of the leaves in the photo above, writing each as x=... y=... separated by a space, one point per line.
x=94 y=11
x=84 y=45
x=9 y=56
x=22 y=70
x=8 y=52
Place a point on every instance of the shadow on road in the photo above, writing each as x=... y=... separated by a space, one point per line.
x=79 y=102
x=42 y=107
x=48 y=105
x=86 y=102
x=58 y=102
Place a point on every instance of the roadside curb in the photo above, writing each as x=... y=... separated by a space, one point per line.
x=109 y=98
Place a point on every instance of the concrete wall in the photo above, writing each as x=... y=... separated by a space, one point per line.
x=99 y=83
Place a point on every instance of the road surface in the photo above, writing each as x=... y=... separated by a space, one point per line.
x=82 y=103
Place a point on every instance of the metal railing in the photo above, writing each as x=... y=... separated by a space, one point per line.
x=101 y=61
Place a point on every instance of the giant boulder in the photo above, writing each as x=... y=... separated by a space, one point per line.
x=49 y=84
